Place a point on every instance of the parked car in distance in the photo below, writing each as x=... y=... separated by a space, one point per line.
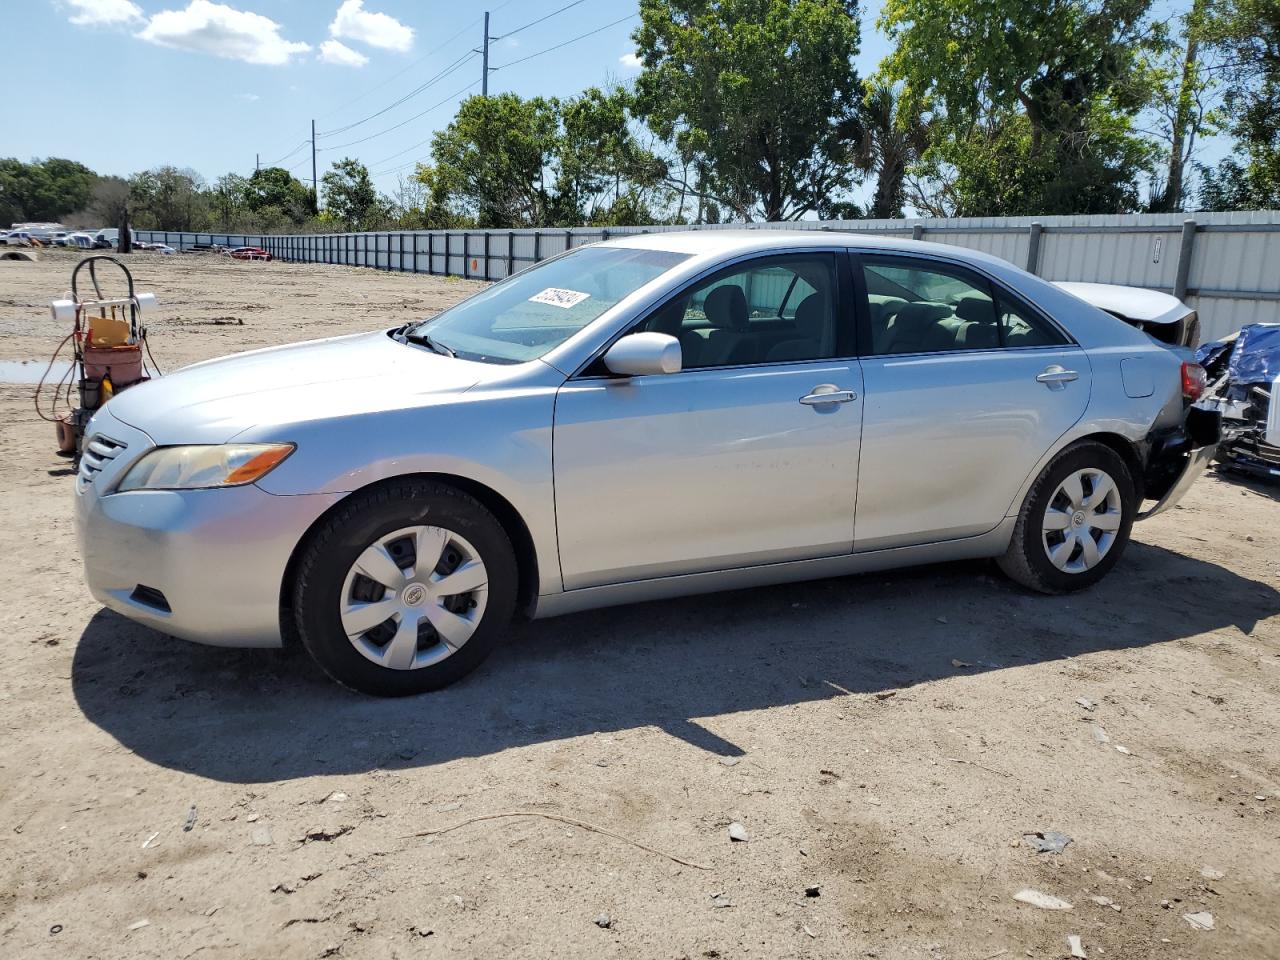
x=249 y=253
x=650 y=416
x=45 y=234
x=109 y=239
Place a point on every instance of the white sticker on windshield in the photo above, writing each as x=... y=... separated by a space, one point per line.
x=559 y=297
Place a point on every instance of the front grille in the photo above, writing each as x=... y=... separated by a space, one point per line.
x=97 y=453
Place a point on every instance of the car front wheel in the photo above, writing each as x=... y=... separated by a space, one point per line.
x=405 y=589
x=1074 y=523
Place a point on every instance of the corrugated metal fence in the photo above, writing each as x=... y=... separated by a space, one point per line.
x=1226 y=265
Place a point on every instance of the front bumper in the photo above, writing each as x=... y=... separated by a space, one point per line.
x=204 y=565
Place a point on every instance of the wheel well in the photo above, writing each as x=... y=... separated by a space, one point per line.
x=494 y=502
x=1128 y=453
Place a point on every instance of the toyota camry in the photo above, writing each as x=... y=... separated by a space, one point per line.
x=654 y=415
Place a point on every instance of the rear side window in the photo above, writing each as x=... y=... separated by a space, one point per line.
x=1021 y=327
x=920 y=306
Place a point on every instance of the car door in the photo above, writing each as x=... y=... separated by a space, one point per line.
x=748 y=455
x=965 y=389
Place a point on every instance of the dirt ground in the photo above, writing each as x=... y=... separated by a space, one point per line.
x=885 y=740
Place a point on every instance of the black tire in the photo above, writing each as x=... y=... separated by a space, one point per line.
x=334 y=546
x=1026 y=561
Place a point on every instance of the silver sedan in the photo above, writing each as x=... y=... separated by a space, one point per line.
x=657 y=415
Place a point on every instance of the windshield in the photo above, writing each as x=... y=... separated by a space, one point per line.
x=536 y=310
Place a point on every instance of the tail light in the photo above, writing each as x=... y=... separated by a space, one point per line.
x=1194 y=380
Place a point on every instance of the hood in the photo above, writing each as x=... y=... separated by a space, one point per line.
x=1135 y=304
x=213 y=401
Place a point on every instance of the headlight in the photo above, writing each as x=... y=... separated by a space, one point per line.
x=196 y=468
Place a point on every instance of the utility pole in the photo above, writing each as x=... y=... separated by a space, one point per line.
x=484 y=77
x=315 y=189
x=257 y=162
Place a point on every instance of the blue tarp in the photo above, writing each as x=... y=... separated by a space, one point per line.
x=1255 y=357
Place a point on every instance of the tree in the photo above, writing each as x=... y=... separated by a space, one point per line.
x=109 y=202
x=1036 y=100
x=759 y=96
x=1184 y=104
x=604 y=175
x=491 y=163
x=230 y=199
x=43 y=190
x=1248 y=32
x=349 y=195
x=277 y=188
x=167 y=198
x=893 y=139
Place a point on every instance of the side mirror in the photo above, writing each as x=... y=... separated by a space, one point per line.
x=643 y=354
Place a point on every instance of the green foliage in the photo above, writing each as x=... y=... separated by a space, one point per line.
x=491 y=161
x=349 y=196
x=604 y=175
x=1036 y=99
x=43 y=190
x=509 y=162
x=167 y=198
x=759 y=96
x=1248 y=31
x=895 y=136
x=277 y=188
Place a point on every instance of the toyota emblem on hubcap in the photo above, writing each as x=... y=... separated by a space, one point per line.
x=414 y=594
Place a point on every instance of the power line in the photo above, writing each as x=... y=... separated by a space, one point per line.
x=276 y=163
x=400 y=153
x=422 y=59
x=416 y=116
x=534 y=23
x=531 y=56
x=566 y=43
x=396 y=169
x=456 y=65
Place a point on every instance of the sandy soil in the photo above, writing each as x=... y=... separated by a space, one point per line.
x=830 y=719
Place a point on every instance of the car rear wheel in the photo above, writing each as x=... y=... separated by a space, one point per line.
x=405 y=589
x=1074 y=523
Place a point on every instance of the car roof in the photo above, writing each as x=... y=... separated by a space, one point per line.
x=1089 y=325
x=725 y=243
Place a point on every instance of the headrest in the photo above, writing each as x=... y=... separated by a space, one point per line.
x=975 y=310
x=811 y=316
x=921 y=313
x=726 y=306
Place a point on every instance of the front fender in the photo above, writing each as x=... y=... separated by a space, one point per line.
x=500 y=439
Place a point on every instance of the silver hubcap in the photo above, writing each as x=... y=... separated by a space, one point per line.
x=1081 y=520
x=414 y=597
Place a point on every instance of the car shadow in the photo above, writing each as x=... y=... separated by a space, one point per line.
x=248 y=716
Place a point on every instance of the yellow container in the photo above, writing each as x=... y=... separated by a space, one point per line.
x=108 y=332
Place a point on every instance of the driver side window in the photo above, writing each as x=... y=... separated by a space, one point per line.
x=771 y=310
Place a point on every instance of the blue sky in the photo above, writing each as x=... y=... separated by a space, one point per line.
x=122 y=85
x=180 y=102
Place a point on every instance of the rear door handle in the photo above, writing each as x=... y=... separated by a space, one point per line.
x=827 y=393
x=1056 y=377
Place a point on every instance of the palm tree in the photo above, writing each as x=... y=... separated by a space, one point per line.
x=892 y=140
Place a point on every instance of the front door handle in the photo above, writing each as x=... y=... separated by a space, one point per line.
x=825 y=393
x=1055 y=377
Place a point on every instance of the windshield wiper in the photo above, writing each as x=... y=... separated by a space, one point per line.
x=422 y=340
